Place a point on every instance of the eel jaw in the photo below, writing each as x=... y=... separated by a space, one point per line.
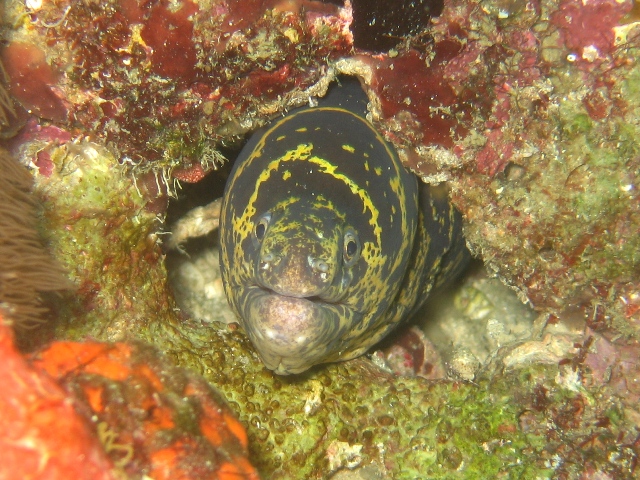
x=291 y=334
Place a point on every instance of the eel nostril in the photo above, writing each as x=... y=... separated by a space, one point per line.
x=267 y=257
x=319 y=265
x=267 y=260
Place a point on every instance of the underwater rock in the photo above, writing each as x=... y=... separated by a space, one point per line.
x=102 y=230
x=534 y=125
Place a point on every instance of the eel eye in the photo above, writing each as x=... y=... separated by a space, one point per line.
x=261 y=226
x=351 y=249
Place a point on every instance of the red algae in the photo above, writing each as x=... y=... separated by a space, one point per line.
x=170 y=36
x=191 y=174
x=495 y=155
x=598 y=104
x=586 y=28
x=243 y=13
x=31 y=80
x=163 y=83
x=410 y=353
x=408 y=83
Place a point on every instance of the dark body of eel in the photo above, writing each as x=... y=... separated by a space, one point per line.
x=327 y=241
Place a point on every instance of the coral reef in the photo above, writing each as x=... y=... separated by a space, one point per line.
x=534 y=123
x=532 y=119
x=105 y=235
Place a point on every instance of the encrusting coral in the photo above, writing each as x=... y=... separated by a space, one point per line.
x=42 y=435
x=151 y=417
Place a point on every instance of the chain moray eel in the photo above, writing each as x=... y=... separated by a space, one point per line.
x=327 y=241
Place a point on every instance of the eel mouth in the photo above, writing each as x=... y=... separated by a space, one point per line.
x=291 y=334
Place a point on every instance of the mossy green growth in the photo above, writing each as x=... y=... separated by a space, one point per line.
x=410 y=428
x=600 y=189
x=629 y=86
x=100 y=231
x=566 y=227
x=578 y=125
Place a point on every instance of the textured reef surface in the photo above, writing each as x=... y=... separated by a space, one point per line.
x=530 y=110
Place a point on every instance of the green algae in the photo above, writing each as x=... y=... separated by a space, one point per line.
x=599 y=191
x=414 y=428
x=576 y=204
x=417 y=428
x=563 y=230
x=99 y=230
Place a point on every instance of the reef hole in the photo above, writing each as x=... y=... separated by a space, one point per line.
x=379 y=26
x=193 y=267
